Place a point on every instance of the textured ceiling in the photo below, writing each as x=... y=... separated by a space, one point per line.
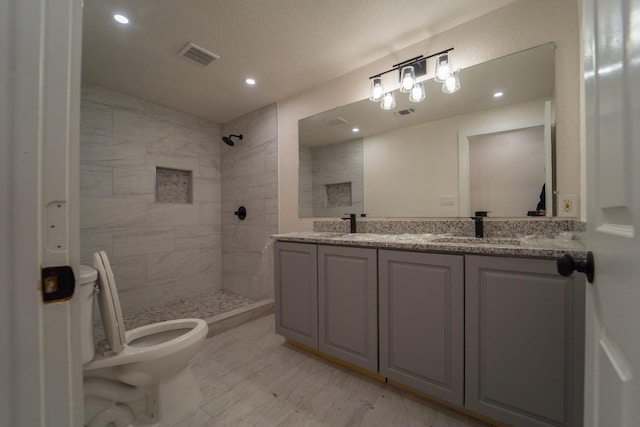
x=288 y=46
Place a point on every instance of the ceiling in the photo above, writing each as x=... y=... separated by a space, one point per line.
x=288 y=46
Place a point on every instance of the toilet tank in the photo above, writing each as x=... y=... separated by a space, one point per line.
x=84 y=292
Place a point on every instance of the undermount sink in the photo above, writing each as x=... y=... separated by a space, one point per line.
x=510 y=241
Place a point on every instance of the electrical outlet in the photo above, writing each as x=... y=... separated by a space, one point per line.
x=447 y=200
x=567 y=205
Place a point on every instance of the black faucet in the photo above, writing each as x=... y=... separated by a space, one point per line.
x=352 y=222
x=479 y=226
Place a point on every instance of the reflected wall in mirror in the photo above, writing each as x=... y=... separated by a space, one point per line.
x=415 y=159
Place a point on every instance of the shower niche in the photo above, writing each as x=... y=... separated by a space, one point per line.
x=174 y=186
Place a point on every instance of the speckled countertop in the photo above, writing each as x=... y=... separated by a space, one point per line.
x=531 y=246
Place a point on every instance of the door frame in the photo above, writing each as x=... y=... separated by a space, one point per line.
x=40 y=42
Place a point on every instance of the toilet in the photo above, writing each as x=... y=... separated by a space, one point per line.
x=144 y=378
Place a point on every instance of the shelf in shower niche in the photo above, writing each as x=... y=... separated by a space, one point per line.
x=174 y=186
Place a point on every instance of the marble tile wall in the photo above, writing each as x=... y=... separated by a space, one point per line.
x=160 y=252
x=250 y=179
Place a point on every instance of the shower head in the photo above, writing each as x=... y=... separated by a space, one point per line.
x=227 y=139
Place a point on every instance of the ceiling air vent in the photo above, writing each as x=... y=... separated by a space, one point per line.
x=198 y=54
x=335 y=121
x=404 y=112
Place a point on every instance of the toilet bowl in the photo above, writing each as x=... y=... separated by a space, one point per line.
x=144 y=378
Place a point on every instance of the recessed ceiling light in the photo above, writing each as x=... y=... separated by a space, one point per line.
x=121 y=18
x=355 y=130
x=250 y=81
x=498 y=94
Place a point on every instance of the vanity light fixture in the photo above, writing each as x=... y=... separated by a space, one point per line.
x=121 y=19
x=409 y=71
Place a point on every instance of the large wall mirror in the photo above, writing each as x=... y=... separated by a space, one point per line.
x=449 y=155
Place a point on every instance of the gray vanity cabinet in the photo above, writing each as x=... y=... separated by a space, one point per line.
x=296 y=291
x=524 y=341
x=348 y=304
x=421 y=300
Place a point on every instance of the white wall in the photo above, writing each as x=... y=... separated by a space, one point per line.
x=518 y=26
x=407 y=170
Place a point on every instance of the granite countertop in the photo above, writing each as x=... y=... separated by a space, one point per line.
x=533 y=246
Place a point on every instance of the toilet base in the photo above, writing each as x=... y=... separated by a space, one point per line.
x=176 y=397
x=164 y=403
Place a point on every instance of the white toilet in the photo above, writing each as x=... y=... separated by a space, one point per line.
x=144 y=379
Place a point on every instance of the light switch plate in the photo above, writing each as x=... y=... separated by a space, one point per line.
x=567 y=205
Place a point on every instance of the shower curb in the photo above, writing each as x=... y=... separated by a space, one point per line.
x=229 y=320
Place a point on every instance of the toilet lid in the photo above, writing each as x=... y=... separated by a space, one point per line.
x=109 y=303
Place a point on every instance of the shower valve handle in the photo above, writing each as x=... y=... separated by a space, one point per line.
x=241 y=213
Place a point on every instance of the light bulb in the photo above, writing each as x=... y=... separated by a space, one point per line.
x=443 y=68
x=407 y=78
x=452 y=83
x=388 y=101
x=121 y=18
x=376 y=89
x=417 y=93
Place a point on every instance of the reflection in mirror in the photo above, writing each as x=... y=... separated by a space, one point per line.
x=413 y=161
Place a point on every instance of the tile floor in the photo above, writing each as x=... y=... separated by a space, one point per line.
x=250 y=377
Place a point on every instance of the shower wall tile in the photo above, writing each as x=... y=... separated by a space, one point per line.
x=108 y=151
x=210 y=214
x=96 y=181
x=111 y=98
x=209 y=167
x=142 y=241
x=249 y=171
x=94 y=240
x=170 y=158
x=173 y=214
x=206 y=190
x=103 y=212
x=129 y=271
x=211 y=260
x=141 y=129
x=169 y=114
x=133 y=182
x=123 y=140
x=96 y=118
x=197 y=237
x=173 y=264
x=197 y=141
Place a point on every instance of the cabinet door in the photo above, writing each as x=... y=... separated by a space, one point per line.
x=422 y=321
x=296 y=292
x=524 y=342
x=348 y=303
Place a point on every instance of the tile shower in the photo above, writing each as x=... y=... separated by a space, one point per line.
x=167 y=247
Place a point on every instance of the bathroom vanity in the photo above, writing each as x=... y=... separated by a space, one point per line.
x=487 y=325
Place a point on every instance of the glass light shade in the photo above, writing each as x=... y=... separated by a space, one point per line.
x=407 y=78
x=443 y=68
x=417 y=93
x=388 y=101
x=377 y=91
x=452 y=84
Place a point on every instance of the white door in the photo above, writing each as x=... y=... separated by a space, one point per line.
x=40 y=367
x=612 y=110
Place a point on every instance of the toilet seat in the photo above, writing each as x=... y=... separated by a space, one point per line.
x=124 y=352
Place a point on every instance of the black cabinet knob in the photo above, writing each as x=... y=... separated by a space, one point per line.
x=567 y=265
